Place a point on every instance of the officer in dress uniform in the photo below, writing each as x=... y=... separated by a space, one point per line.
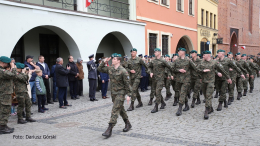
x=92 y=78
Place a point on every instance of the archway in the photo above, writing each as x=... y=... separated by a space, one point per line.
x=203 y=45
x=185 y=42
x=234 y=44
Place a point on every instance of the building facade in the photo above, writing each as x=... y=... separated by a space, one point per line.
x=239 y=25
x=55 y=30
x=169 y=24
x=207 y=25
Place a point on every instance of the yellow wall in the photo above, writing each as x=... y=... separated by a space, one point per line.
x=212 y=7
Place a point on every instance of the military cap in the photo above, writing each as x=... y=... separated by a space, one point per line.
x=177 y=54
x=193 y=51
x=5 y=59
x=207 y=52
x=243 y=55
x=153 y=55
x=251 y=58
x=118 y=55
x=182 y=49
x=157 y=49
x=113 y=55
x=91 y=56
x=145 y=56
x=134 y=49
x=29 y=56
x=140 y=55
x=199 y=55
x=20 y=65
x=125 y=56
x=187 y=55
x=166 y=55
x=238 y=54
x=220 y=51
x=258 y=53
x=229 y=53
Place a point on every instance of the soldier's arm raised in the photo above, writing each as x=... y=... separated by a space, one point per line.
x=102 y=67
x=5 y=74
x=22 y=77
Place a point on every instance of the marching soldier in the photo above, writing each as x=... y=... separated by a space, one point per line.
x=120 y=86
x=153 y=85
x=257 y=61
x=173 y=82
x=255 y=70
x=167 y=79
x=247 y=67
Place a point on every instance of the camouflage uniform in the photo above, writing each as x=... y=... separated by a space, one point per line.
x=195 y=81
x=120 y=86
x=255 y=68
x=239 y=80
x=257 y=61
x=245 y=82
x=22 y=95
x=167 y=81
x=6 y=89
x=173 y=83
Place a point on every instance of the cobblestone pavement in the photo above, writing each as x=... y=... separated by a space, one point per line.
x=85 y=121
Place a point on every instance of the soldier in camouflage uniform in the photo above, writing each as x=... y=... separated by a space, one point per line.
x=153 y=85
x=247 y=67
x=22 y=95
x=208 y=68
x=124 y=64
x=120 y=86
x=182 y=68
x=156 y=71
x=255 y=69
x=134 y=67
x=195 y=80
x=257 y=61
x=173 y=82
x=6 y=89
x=222 y=84
x=167 y=79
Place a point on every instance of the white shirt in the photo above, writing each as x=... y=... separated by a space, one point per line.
x=43 y=64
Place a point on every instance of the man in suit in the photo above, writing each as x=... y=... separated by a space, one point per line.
x=73 y=75
x=92 y=78
x=55 y=88
x=62 y=82
x=45 y=75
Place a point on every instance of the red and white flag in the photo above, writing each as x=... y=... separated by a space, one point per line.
x=88 y=2
x=235 y=45
x=243 y=47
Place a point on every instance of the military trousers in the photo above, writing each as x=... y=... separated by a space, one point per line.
x=222 y=86
x=251 y=82
x=135 y=92
x=158 y=84
x=153 y=87
x=239 y=84
x=245 y=83
x=176 y=94
x=24 y=102
x=118 y=108
x=216 y=85
x=208 y=89
x=231 y=88
x=167 y=83
x=5 y=108
x=195 y=85
x=182 y=89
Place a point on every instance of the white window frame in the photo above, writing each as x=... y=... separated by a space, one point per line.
x=182 y=6
x=193 y=8
x=169 y=40
x=157 y=41
x=168 y=4
x=154 y=1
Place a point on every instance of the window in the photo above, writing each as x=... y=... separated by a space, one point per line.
x=152 y=43
x=164 y=2
x=18 y=51
x=202 y=17
x=165 y=45
x=210 y=20
x=214 y=21
x=207 y=18
x=179 y=5
x=190 y=7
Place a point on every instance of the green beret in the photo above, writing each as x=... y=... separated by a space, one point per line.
x=220 y=51
x=225 y=55
x=207 y=52
x=157 y=49
x=187 y=55
x=167 y=55
x=153 y=55
x=118 y=55
x=229 y=53
x=251 y=58
x=193 y=51
x=19 y=65
x=177 y=54
x=5 y=59
x=199 y=55
x=113 y=55
x=134 y=49
x=243 y=55
x=182 y=49
x=238 y=54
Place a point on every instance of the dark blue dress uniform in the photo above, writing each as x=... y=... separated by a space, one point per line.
x=143 y=79
x=92 y=78
x=105 y=77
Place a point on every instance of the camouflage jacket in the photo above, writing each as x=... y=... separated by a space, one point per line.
x=6 y=80
x=253 y=67
x=157 y=67
x=136 y=65
x=257 y=61
x=187 y=65
x=245 y=66
x=119 y=79
x=214 y=67
x=227 y=63
x=168 y=72
x=194 y=73
x=21 y=83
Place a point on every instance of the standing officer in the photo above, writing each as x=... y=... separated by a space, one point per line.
x=134 y=67
x=120 y=86
x=6 y=89
x=92 y=78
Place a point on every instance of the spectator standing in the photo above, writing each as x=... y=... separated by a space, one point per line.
x=92 y=78
x=72 y=76
x=104 y=79
x=40 y=91
x=80 y=77
x=45 y=76
x=55 y=88
x=62 y=82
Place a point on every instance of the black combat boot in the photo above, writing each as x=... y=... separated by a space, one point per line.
x=108 y=132
x=5 y=130
x=128 y=126
x=200 y=92
x=229 y=100
x=211 y=110
x=163 y=104
x=140 y=104
x=150 y=101
x=175 y=101
x=198 y=101
x=216 y=95
x=251 y=90
x=167 y=97
x=239 y=95
x=188 y=95
x=179 y=112
x=245 y=92
x=232 y=99
x=21 y=121
x=206 y=114
x=155 y=108
x=225 y=103
x=186 y=108
x=220 y=106
x=193 y=103
x=204 y=101
x=30 y=120
x=131 y=107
